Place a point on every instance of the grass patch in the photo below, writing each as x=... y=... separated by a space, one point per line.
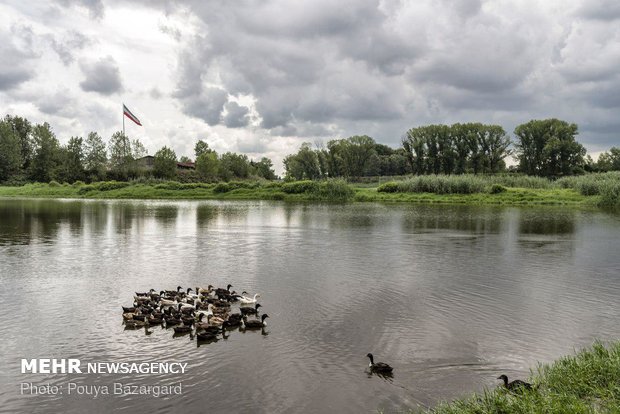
x=428 y=189
x=587 y=382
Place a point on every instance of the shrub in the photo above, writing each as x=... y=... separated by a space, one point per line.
x=170 y=185
x=273 y=185
x=54 y=183
x=277 y=196
x=299 y=187
x=110 y=185
x=333 y=190
x=389 y=187
x=234 y=185
x=86 y=189
x=78 y=183
x=497 y=189
x=443 y=184
x=221 y=188
x=610 y=194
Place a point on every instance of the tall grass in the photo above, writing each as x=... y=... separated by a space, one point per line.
x=604 y=184
x=438 y=184
x=588 y=382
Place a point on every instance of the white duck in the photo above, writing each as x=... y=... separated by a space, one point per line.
x=248 y=301
x=188 y=305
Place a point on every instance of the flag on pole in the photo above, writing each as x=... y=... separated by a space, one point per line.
x=131 y=116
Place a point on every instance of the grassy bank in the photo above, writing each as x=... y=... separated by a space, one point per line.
x=592 y=190
x=588 y=382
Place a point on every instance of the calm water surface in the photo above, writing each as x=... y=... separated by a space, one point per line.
x=450 y=296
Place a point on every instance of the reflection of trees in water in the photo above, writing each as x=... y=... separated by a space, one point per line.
x=547 y=222
x=166 y=213
x=123 y=215
x=233 y=212
x=460 y=218
x=26 y=220
x=205 y=214
x=127 y=215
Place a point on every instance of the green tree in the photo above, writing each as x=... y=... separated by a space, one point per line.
x=356 y=153
x=414 y=144
x=333 y=159
x=72 y=166
x=208 y=165
x=304 y=165
x=461 y=141
x=46 y=153
x=201 y=147
x=122 y=164
x=548 y=148
x=609 y=161
x=10 y=151
x=185 y=159
x=264 y=168
x=234 y=166
x=23 y=128
x=494 y=144
x=138 y=150
x=95 y=157
x=165 y=163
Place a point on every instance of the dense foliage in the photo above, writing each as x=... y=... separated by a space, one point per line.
x=544 y=148
x=32 y=153
x=548 y=148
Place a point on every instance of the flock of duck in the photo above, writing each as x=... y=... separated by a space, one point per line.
x=207 y=313
x=203 y=312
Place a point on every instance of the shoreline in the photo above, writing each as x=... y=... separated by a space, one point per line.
x=583 y=382
x=513 y=196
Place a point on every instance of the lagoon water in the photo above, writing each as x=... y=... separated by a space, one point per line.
x=450 y=296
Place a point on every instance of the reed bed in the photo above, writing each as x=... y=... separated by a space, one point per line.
x=606 y=185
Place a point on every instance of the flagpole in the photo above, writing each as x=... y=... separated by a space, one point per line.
x=123 y=112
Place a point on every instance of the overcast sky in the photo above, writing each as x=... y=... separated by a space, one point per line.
x=261 y=77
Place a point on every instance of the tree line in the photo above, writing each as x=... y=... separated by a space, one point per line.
x=546 y=148
x=33 y=153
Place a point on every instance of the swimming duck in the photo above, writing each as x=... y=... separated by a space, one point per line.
x=222 y=291
x=205 y=325
x=248 y=301
x=516 y=384
x=234 y=320
x=254 y=324
x=204 y=291
x=215 y=320
x=250 y=311
x=379 y=367
x=184 y=329
x=171 y=321
x=207 y=336
x=135 y=323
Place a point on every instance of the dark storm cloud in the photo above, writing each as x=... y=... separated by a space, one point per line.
x=207 y=104
x=236 y=115
x=18 y=53
x=102 y=76
x=307 y=64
